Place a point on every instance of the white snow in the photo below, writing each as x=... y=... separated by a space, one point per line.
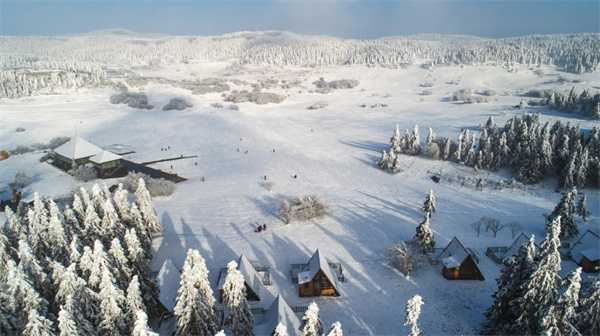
x=168 y=281
x=371 y=209
x=78 y=148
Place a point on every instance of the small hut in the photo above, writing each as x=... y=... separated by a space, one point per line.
x=168 y=279
x=77 y=152
x=586 y=252
x=458 y=262
x=253 y=281
x=278 y=312
x=318 y=278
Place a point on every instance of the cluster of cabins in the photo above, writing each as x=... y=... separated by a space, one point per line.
x=79 y=152
x=317 y=277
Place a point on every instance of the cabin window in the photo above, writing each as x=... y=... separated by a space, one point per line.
x=306 y=285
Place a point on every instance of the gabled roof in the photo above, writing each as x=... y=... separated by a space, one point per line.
x=168 y=281
x=516 y=245
x=104 y=156
x=318 y=262
x=278 y=312
x=251 y=277
x=592 y=254
x=587 y=241
x=77 y=148
x=453 y=254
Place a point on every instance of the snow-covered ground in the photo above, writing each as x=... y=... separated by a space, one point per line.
x=333 y=153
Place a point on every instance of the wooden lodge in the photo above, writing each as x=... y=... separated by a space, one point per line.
x=586 y=252
x=317 y=277
x=278 y=312
x=78 y=152
x=252 y=280
x=459 y=263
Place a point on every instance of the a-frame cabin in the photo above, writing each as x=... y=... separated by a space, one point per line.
x=319 y=279
x=458 y=262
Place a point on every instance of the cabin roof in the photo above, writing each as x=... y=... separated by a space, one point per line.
x=318 y=262
x=77 y=148
x=278 y=312
x=588 y=241
x=592 y=254
x=168 y=281
x=514 y=248
x=251 y=277
x=104 y=156
x=453 y=254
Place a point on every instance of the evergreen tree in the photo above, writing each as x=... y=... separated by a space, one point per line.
x=566 y=210
x=37 y=324
x=134 y=297
x=582 y=209
x=414 y=145
x=58 y=241
x=32 y=269
x=146 y=207
x=91 y=226
x=556 y=320
x=141 y=229
x=66 y=323
x=140 y=266
x=195 y=304
x=516 y=271
x=112 y=319
x=120 y=263
x=78 y=206
x=111 y=224
x=395 y=140
x=239 y=318
x=447 y=150
x=430 y=136
x=395 y=166
x=424 y=236
x=587 y=320
x=429 y=205
x=383 y=162
x=413 y=310
x=540 y=290
x=13 y=229
x=122 y=205
x=335 y=330
x=280 y=330
x=140 y=327
x=311 y=322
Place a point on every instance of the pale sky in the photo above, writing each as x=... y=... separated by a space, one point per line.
x=360 y=19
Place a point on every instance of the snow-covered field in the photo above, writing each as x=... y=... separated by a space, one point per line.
x=333 y=152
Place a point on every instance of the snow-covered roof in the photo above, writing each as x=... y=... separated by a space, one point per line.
x=587 y=241
x=251 y=277
x=592 y=254
x=104 y=156
x=514 y=248
x=278 y=312
x=318 y=262
x=453 y=254
x=77 y=148
x=168 y=281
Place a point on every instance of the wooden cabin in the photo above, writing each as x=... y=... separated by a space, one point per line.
x=77 y=152
x=458 y=262
x=319 y=278
x=278 y=312
x=252 y=281
x=586 y=252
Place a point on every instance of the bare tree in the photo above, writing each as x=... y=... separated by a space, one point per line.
x=83 y=173
x=304 y=208
x=405 y=256
x=21 y=179
x=477 y=226
x=514 y=228
x=494 y=225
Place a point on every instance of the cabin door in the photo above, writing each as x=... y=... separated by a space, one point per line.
x=317 y=287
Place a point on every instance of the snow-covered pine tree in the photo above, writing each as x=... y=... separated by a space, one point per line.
x=582 y=209
x=122 y=205
x=395 y=165
x=383 y=162
x=404 y=143
x=141 y=229
x=557 y=319
x=195 y=305
x=565 y=209
x=414 y=144
x=97 y=198
x=98 y=263
x=112 y=318
x=133 y=302
x=395 y=140
x=540 y=290
x=424 y=236
x=430 y=136
x=429 y=204
x=335 y=329
x=516 y=271
x=120 y=263
x=587 y=320
x=91 y=226
x=78 y=206
x=239 y=318
x=446 y=154
x=280 y=330
x=66 y=323
x=140 y=328
x=37 y=324
x=22 y=297
x=32 y=269
x=311 y=322
x=58 y=241
x=413 y=310
x=112 y=227
x=146 y=207
x=140 y=266
x=13 y=229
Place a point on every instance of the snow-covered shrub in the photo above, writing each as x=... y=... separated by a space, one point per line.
x=21 y=179
x=84 y=173
x=137 y=100
x=539 y=93
x=405 y=257
x=207 y=85
x=216 y=105
x=57 y=142
x=20 y=129
x=489 y=93
x=39 y=146
x=234 y=107
x=325 y=87
x=427 y=93
x=428 y=84
x=461 y=95
x=432 y=150
x=156 y=187
x=476 y=99
x=259 y=98
x=177 y=104
x=20 y=149
x=304 y=208
x=319 y=105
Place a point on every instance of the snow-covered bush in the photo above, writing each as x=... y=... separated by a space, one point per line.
x=319 y=105
x=137 y=100
x=325 y=87
x=84 y=173
x=21 y=179
x=57 y=142
x=177 y=104
x=156 y=187
x=461 y=95
x=304 y=208
x=476 y=99
x=259 y=98
x=489 y=93
x=432 y=150
x=428 y=84
x=39 y=146
x=216 y=105
x=20 y=149
x=234 y=107
x=20 y=129
x=539 y=93
x=405 y=257
x=427 y=93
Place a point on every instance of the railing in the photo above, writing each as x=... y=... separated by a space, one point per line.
x=473 y=255
x=337 y=268
x=492 y=252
